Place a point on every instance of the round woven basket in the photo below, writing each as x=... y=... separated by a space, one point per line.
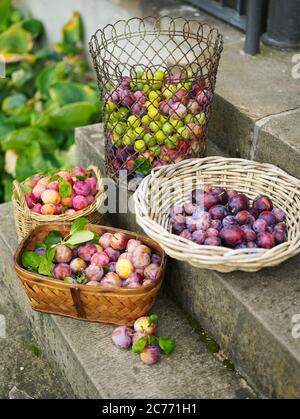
x=118 y=306
x=26 y=220
x=172 y=185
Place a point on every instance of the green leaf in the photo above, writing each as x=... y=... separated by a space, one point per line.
x=140 y=345
x=45 y=267
x=50 y=253
x=5 y=127
x=21 y=138
x=167 y=345
x=48 y=76
x=13 y=104
x=65 y=92
x=80 y=237
x=72 y=115
x=79 y=224
x=142 y=166
x=54 y=237
x=73 y=30
x=4 y=10
x=34 y=26
x=8 y=187
x=151 y=340
x=31 y=260
x=16 y=40
x=152 y=319
x=65 y=189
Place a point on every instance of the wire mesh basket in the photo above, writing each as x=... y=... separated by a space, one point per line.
x=156 y=78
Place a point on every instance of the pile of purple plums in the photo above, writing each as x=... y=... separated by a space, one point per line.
x=142 y=340
x=116 y=261
x=156 y=117
x=65 y=192
x=226 y=217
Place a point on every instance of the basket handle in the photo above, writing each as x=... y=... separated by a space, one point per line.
x=75 y=293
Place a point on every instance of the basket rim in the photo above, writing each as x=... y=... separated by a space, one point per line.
x=200 y=253
x=36 y=277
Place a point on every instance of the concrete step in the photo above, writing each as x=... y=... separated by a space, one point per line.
x=249 y=314
x=257 y=103
x=95 y=368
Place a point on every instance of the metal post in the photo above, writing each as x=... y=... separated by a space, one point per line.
x=283 y=27
x=253 y=26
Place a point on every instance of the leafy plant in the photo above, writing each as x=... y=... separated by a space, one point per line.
x=47 y=92
x=44 y=264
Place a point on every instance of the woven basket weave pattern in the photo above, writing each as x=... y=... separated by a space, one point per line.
x=26 y=220
x=159 y=191
x=118 y=306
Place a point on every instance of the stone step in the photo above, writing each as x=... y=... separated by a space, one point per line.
x=249 y=314
x=256 y=107
x=95 y=368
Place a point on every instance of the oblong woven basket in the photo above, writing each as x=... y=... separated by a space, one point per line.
x=162 y=189
x=26 y=220
x=118 y=306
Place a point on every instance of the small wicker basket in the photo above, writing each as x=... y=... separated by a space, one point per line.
x=160 y=190
x=26 y=220
x=118 y=306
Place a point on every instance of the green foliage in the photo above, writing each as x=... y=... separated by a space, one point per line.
x=47 y=92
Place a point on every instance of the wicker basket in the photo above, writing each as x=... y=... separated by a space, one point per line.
x=26 y=220
x=161 y=189
x=118 y=306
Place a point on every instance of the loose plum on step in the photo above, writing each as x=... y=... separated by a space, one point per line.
x=232 y=236
x=142 y=325
x=63 y=254
x=137 y=336
x=150 y=355
x=121 y=337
